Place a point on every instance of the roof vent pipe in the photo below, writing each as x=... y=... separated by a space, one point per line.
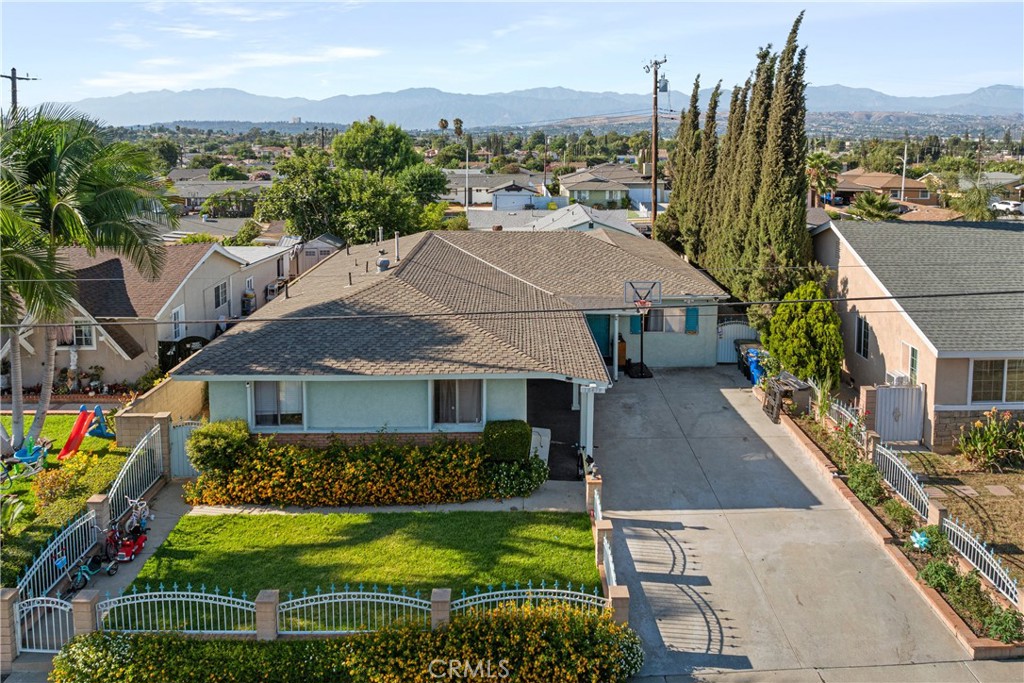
x=398 y=256
x=380 y=235
x=495 y=228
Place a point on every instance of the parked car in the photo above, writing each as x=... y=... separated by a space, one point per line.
x=1007 y=205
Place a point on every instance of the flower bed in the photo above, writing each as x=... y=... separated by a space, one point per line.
x=549 y=642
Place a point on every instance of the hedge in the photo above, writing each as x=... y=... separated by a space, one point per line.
x=552 y=643
x=384 y=472
x=507 y=440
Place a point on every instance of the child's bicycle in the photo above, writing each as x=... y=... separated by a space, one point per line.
x=138 y=520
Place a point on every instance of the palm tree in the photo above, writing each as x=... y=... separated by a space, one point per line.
x=973 y=203
x=457 y=126
x=443 y=125
x=71 y=186
x=874 y=207
x=822 y=175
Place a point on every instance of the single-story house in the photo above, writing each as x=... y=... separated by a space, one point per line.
x=609 y=184
x=513 y=197
x=915 y=311
x=858 y=181
x=445 y=331
x=576 y=217
x=128 y=324
x=305 y=255
x=480 y=185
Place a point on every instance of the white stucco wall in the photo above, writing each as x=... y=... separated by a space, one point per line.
x=506 y=399
x=228 y=401
x=366 y=405
x=676 y=349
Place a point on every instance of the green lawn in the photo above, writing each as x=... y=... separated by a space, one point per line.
x=457 y=550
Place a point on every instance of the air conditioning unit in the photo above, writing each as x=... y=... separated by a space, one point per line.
x=897 y=379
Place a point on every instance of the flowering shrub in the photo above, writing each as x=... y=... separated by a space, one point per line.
x=845 y=444
x=51 y=485
x=554 y=643
x=514 y=479
x=993 y=443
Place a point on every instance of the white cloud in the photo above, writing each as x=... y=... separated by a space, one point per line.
x=128 y=41
x=160 y=61
x=252 y=13
x=193 y=32
x=528 y=25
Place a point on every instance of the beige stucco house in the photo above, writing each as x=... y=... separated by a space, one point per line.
x=940 y=305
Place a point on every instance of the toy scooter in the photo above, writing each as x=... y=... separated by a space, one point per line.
x=87 y=570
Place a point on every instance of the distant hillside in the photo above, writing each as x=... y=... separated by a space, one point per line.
x=422 y=107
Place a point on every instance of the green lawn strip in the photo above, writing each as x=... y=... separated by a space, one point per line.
x=420 y=551
x=34 y=527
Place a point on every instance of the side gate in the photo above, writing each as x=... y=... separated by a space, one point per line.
x=181 y=466
x=43 y=625
x=899 y=413
x=730 y=331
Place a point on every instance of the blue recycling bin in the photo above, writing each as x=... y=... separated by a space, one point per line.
x=754 y=360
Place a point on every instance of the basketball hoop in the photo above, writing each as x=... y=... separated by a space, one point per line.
x=643 y=306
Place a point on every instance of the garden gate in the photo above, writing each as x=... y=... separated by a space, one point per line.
x=899 y=413
x=728 y=332
x=181 y=466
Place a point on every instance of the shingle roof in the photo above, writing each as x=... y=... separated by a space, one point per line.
x=574 y=215
x=456 y=303
x=950 y=258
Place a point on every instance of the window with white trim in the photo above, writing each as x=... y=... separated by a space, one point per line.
x=458 y=401
x=249 y=285
x=178 y=323
x=654 y=321
x=220 y=294
x=895 y=194
x=997 y=381
x=277 y=403
x=83 y=336
x=863 y=337
x=912 y=366
x=924 y=194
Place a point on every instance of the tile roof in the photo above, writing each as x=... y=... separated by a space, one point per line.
x=455 y=303
x=950 y=258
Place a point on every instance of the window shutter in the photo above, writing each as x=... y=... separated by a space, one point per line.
x=692 y=320
x=635 y=323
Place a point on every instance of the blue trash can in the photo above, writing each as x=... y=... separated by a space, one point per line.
x=756 y=371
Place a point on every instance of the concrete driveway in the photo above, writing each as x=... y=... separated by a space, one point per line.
x=737 y=555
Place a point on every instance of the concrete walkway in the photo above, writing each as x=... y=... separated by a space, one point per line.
x=552 y=496
x=739 y=558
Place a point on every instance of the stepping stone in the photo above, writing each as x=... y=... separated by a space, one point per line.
x=965 y=491
x=935 y=492
x=999 y=490
x=1021 y=486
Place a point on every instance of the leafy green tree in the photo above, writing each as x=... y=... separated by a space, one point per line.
x=199 y=238
x=883 y=159
x=204 y=161
x=426 y=183
x=450 y=156
x=822 y=174
x=804 y=335
x=874 y=207
x=246 y=235
x=241 y=150
x=432 y=216
x=306 y=194
x=230 y=203
x=70 y=185
x=460 y=222
x=676 y=230
x=457 y=127
x=222 y=171
x=443 y=125
x=375 y=147
x=719 y=233
x=166 y=151
x=369 y=201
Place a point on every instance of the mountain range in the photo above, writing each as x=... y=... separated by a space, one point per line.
x=421 y=108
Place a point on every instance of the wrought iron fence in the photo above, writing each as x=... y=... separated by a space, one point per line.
x=140 y=471
x=609 y=563
x=845 y=415
x=520 y=594
x=43 y=624
x=185 y=611
x=350 y=611
x=54 y=562
x=901 y=478
x=981 y=557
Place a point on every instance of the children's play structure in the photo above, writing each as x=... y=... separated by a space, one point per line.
x=93 y=423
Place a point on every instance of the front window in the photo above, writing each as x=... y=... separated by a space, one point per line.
x=458 y=401
x=278 y=403
x=177 y=324
x=654 y=321
x=912 y=369
x=997 y=381
x=82 y=336
x=924 y=194
x=220 y=295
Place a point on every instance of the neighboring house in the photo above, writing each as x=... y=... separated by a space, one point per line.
x=447 y=334
x=966 y=351
x=816 y=217
x=994 y=181
x=480 y=185
x=128 y=324
x=264 y=271
x=574 y=217
x=857 y=181
x=514 y=197
x=305 y=255
x=192 y=193
x=608 y=185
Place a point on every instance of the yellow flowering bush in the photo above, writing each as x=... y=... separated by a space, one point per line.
x=996 y=442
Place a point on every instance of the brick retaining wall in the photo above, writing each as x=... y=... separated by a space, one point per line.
x=324 y=440
x=946 y=425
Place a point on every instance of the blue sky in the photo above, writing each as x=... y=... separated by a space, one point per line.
x=319 y=49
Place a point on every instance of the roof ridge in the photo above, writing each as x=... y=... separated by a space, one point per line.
x=499 y=269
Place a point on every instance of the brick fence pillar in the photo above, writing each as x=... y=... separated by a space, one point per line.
x=8 y=629
x=83 y=611
x=440 y=607
x=936 y=513
x=872 y=439
x=266 y=614
x=594 y=484
x=602 y=530
x=618 y=596
x=100 y=504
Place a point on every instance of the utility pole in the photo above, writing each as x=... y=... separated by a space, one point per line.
x=903 y=180
x=652 y=67
x=14 y=78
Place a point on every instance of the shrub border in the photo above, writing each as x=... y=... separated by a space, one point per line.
x=978 y=648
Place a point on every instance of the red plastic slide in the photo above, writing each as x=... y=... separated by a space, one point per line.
x=78 y=431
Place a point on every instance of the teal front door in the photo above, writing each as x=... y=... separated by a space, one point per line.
x=599 y=327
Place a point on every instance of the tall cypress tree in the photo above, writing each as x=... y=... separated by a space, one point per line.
x=683 y=167
x=702 y=200
x=780 y=236
x=726 y=176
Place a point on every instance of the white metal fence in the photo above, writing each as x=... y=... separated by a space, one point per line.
x=140 y=471
x=981 y=557
x=350 y=611
x=598 y=511
x=609 y=563
x=54 y=562
x=43 y=624
x=901 y=478
x=519 y=594
x=845 y=416
x=185 y=611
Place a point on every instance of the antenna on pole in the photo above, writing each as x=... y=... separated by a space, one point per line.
x=14 y=78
